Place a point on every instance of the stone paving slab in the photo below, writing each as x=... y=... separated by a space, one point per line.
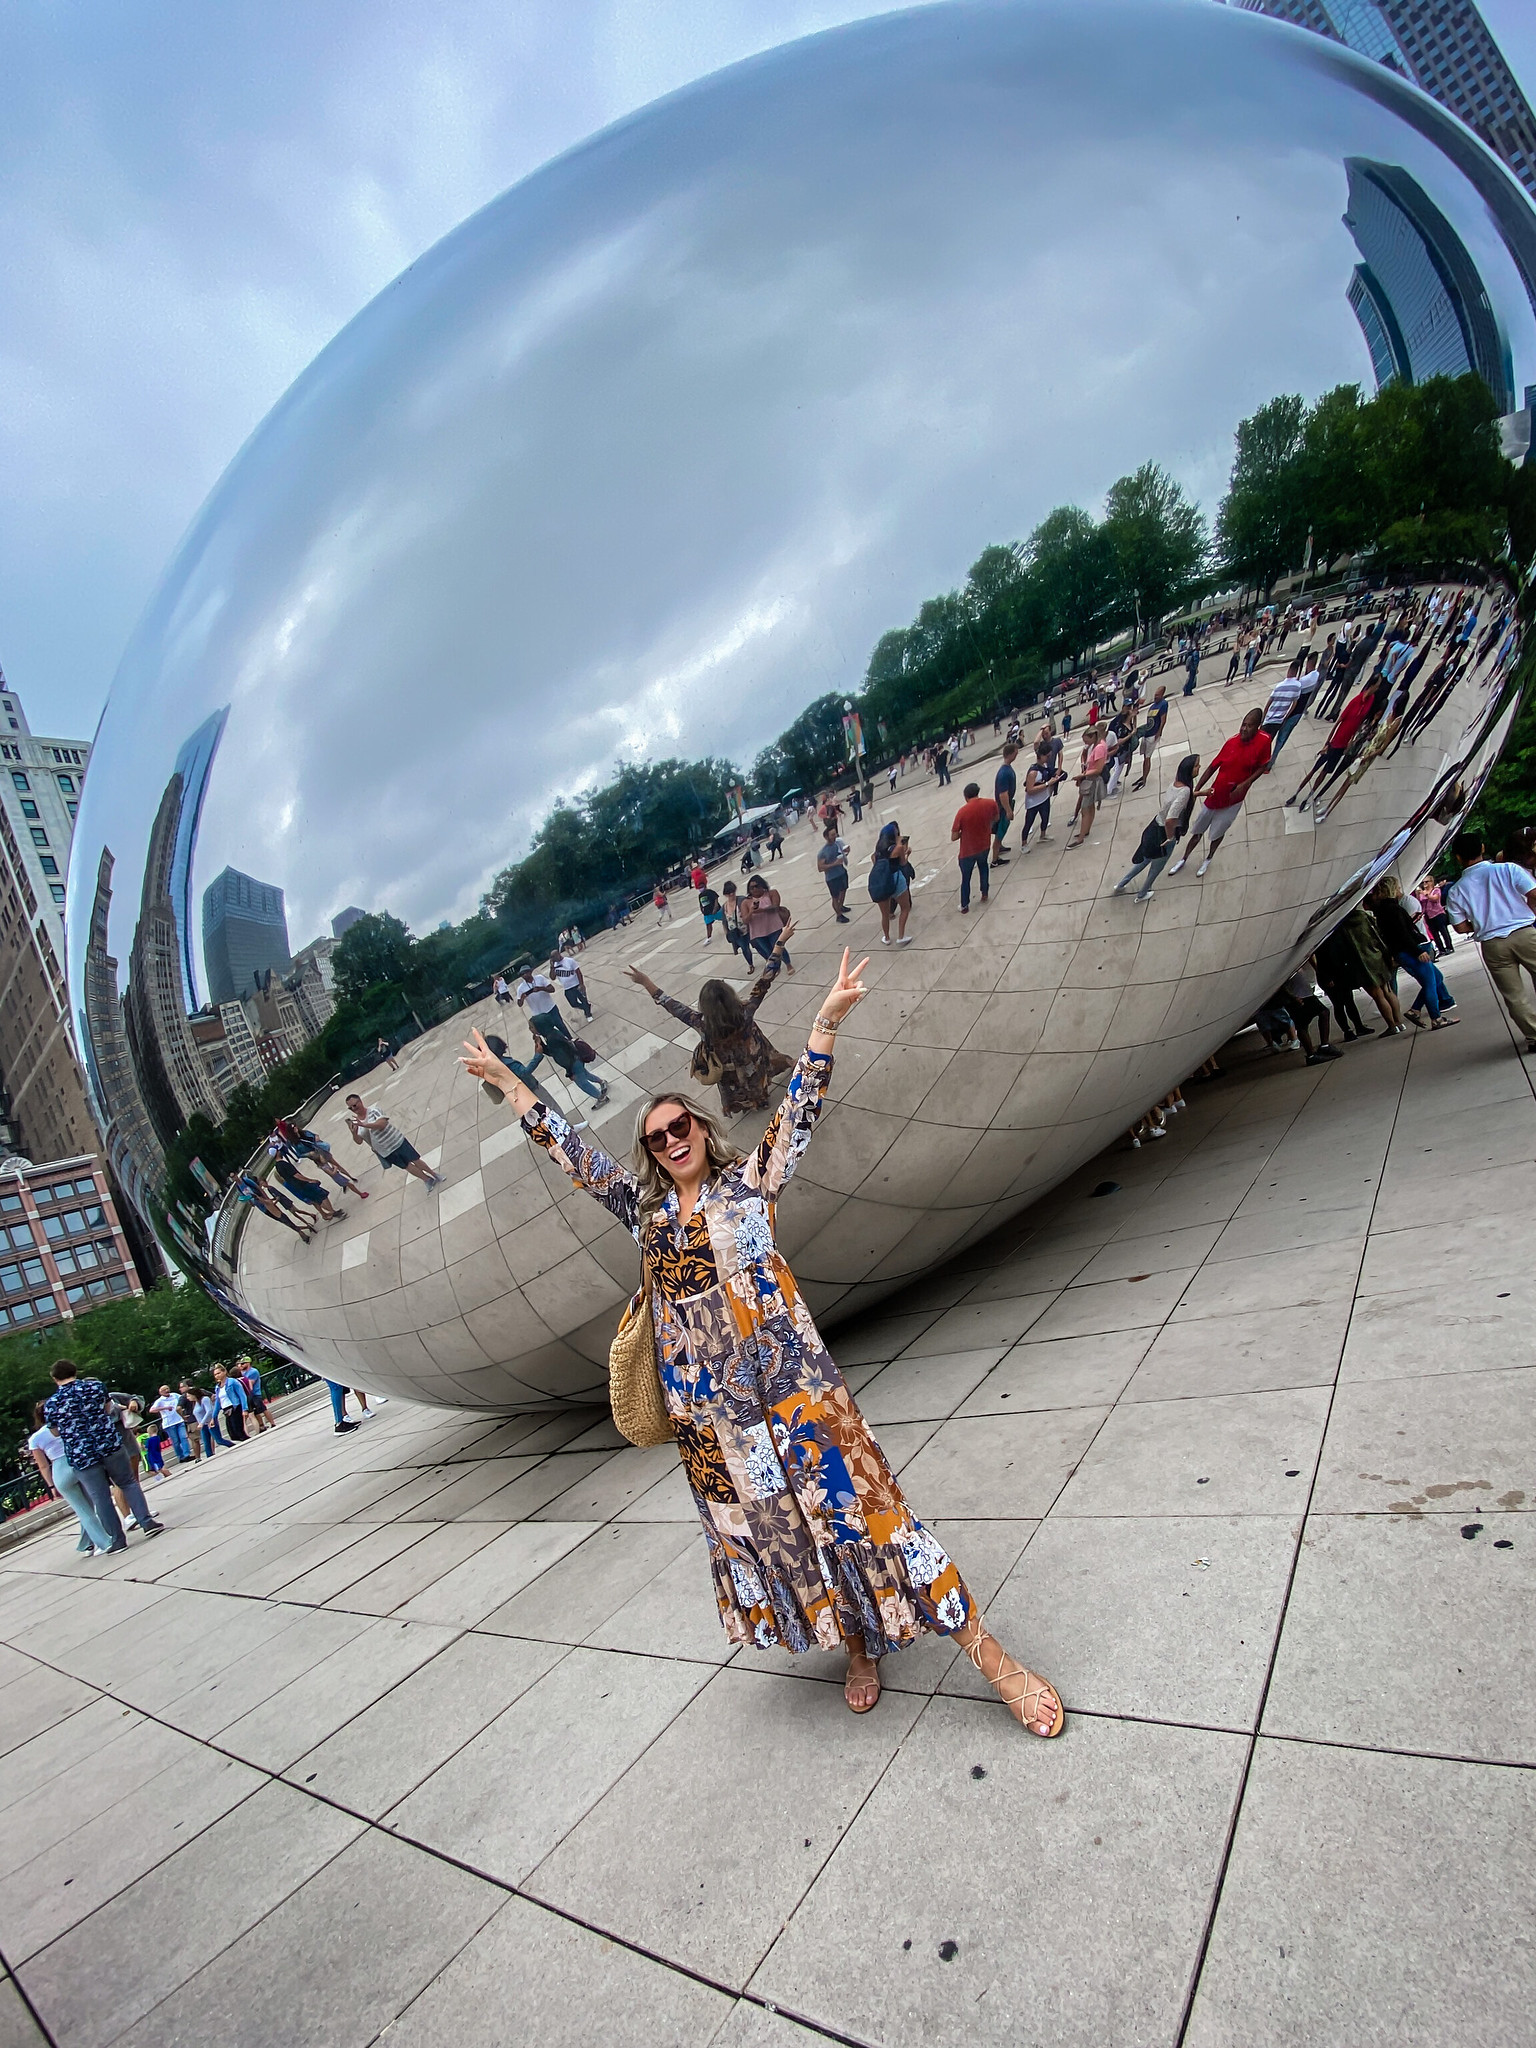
x=430 y=1734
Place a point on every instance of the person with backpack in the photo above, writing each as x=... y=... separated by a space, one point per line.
x=888 y=887
x=1163 y=833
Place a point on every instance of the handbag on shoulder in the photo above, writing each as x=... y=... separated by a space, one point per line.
x=634 y=1376
x=705 y=1066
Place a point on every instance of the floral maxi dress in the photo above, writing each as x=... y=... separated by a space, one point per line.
x=810 y=1539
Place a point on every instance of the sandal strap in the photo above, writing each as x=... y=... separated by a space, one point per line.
x=1034 y=1687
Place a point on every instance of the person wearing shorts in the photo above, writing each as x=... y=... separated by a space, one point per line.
x=1236 y=767
x=1005 y=791
x=832 y=861
x=390 y=1146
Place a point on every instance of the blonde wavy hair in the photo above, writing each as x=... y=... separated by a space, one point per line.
x=654 y=1180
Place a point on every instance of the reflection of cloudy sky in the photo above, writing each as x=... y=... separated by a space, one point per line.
x=648 y=454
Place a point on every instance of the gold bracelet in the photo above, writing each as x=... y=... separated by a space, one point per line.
x=825 y=1024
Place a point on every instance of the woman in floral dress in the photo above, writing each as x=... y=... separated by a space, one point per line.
x=811 y=1542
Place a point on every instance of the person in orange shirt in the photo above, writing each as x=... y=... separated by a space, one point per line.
x=973 y=829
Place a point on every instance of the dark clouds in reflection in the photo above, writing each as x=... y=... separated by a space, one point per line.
x=647 y=454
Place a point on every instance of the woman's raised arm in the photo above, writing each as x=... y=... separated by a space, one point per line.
x=588 y=1165
x=790 y=1127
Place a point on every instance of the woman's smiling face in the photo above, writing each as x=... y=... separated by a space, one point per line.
x=683 y=1157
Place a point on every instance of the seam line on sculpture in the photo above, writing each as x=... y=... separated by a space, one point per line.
x=1225 y=1863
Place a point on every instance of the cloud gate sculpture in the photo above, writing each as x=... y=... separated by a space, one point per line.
x=637 y=463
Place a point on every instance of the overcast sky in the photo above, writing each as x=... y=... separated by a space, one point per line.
x=196 y=198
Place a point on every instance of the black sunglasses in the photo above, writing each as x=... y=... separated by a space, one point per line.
x=679 y=1128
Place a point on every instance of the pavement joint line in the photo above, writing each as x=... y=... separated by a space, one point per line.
x=1197 y=1970
x=38 y=2021
x=458 y=1863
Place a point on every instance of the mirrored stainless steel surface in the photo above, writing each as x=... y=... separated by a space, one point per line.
x=640 y=460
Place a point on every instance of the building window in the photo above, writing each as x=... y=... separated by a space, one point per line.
x=20 y=1235
x=39 y=836
x=10 y=1279
x=19 y=779
x=11 y=1205
x=58 y=891
x=49 y=865
x=28 y=808
x=73 y=810
x=67 y=784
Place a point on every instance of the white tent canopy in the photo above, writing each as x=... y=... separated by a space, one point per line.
x=748 y=819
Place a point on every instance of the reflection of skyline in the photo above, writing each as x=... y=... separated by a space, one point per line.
x=1421 y=304
x=194 y=764
x=170 y=1073
x=133 y=1149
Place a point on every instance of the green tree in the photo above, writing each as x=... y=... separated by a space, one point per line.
x=1071 y=572
x=1157 y=544
x=133 y=1343
x=1261 y=526
x=377 y=948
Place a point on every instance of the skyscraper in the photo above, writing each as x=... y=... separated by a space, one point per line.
x=194 y=764
x=1416 y=292
x=40 y=1079
x=245 y=932
x=172 y=1078
x=40 y=784
x=1445 y=48
x=133 y=1150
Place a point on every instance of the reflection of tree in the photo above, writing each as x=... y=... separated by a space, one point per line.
x=377 y=947
x=1414 y=472
x=1156 y=541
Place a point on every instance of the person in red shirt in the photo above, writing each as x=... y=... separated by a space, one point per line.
x=697 y=876
x=973 y=828
x=1236 y=768
x=1328 y=763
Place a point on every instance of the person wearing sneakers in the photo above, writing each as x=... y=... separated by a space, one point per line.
x=1236 y=767
x=391 y=1147
x=1160 y=837
x=80 y=1415
x=973 y=826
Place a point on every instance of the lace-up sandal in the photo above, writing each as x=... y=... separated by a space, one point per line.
x=853 y=1687
x=1031 y=1697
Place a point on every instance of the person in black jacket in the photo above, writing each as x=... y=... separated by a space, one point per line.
x=1162 y=835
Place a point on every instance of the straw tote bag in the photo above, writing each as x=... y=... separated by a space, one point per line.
x=634 y=1377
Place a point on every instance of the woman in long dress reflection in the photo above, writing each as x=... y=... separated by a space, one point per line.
x=811 y=1542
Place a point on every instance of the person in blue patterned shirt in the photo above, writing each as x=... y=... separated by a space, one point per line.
x=80 y=1413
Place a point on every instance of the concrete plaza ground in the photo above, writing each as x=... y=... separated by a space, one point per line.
x=430 y=1733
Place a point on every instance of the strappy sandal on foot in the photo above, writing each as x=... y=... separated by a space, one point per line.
x=872 y=1678
x=1029 y=1698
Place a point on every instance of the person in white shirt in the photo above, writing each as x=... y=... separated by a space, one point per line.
x=567 y=971
x=58 y=1475
x=174 y=1423
x=537 y=999
x=500 y=990
x=205 y=1412
x=1495 y=900
x=391 y=1147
